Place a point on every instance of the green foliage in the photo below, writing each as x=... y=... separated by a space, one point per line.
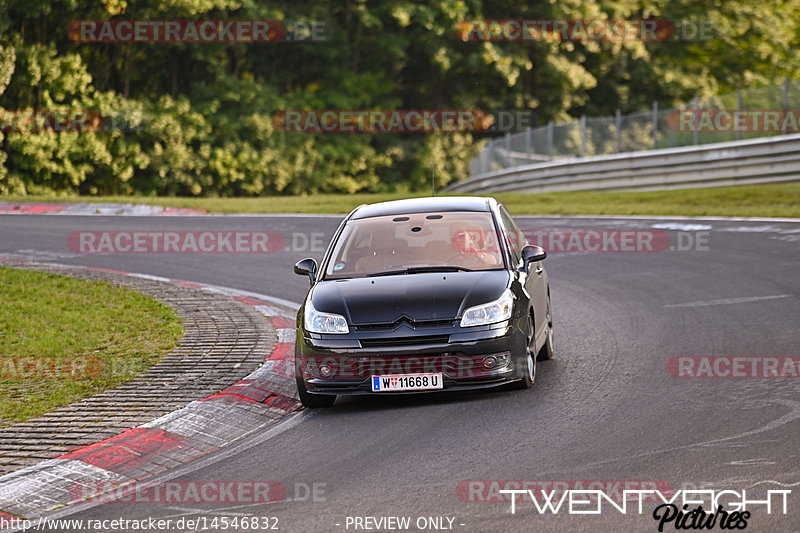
x=199 y=117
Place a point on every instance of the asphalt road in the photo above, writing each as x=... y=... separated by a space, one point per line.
x=604 y=409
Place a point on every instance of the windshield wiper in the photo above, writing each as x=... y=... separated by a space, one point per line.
x=421 y=269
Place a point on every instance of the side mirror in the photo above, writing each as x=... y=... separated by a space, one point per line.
x=306 y=267
x=532 y=253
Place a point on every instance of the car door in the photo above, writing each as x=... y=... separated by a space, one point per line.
x=534 y=279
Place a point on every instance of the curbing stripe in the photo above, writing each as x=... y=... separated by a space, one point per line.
x=270 y=311
x=182 y=283
x=282 y=350
x=86 y=209
x=285 y=335
x=214 y=423
x=280 y=374
x=134 y=453
x=29 y=208
x=276 y=402
x=255 y=390
x=282 y=322
x=279 y=302
x=49 y=485
x=99 y=269
x=148 y=276
x=248 y=300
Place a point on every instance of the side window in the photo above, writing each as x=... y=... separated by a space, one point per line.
x=513 y=235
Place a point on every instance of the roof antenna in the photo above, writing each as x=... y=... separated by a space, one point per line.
x=433 y=180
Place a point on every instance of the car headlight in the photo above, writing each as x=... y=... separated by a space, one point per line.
x=319 y=322
x=495 y=311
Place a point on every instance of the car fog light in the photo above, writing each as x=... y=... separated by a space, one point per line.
x=490 y=361
x=326 y=370
x=503 y=359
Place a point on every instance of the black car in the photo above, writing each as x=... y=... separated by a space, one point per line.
x=421 y=295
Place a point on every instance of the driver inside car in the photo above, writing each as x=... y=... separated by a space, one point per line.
x=470 y=248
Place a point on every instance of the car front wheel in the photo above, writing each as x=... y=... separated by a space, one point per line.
x=312 y=401
x=546 y=353
x=528 y=365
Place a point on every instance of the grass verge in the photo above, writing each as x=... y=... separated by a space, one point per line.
x=63 y=339
x=769 y=200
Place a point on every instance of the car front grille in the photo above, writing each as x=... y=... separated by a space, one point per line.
x=452 y=366
x=413 y=323
x=405 y=341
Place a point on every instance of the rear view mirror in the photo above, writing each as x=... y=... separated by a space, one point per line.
x=307 y=267
x=532 y=253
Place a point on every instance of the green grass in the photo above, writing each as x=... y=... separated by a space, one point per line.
x=63 y=339
x=769 y=200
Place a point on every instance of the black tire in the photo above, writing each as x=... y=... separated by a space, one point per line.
x=527 y=364
x=313 y=401
x=546 y=353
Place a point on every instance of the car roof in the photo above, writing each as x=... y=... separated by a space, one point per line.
x=423 y=205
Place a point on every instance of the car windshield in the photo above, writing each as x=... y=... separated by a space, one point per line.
x=414 y=243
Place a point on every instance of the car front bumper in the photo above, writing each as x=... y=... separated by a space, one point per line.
x=345 y=364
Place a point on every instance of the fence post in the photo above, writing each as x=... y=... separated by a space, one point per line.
x=785 y=101
x=528 y=146
x=696 y=114
x=785 y=92
x=738 y=108
x=583 y=135
x=655 y=125
x=550 y=140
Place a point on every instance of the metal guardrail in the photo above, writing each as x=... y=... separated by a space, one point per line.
x=656 y=129
x=762 y=160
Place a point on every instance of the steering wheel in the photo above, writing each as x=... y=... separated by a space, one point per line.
x=467 y=259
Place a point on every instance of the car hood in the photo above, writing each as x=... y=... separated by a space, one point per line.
x=418 y=297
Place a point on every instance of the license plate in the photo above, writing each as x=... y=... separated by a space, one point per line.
x=400 y=382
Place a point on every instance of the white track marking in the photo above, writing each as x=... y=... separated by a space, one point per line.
x=677 y=226
x=148 y=276
x=729 y=301
x=667 y=217
x=258 y=296
x=791 y=416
